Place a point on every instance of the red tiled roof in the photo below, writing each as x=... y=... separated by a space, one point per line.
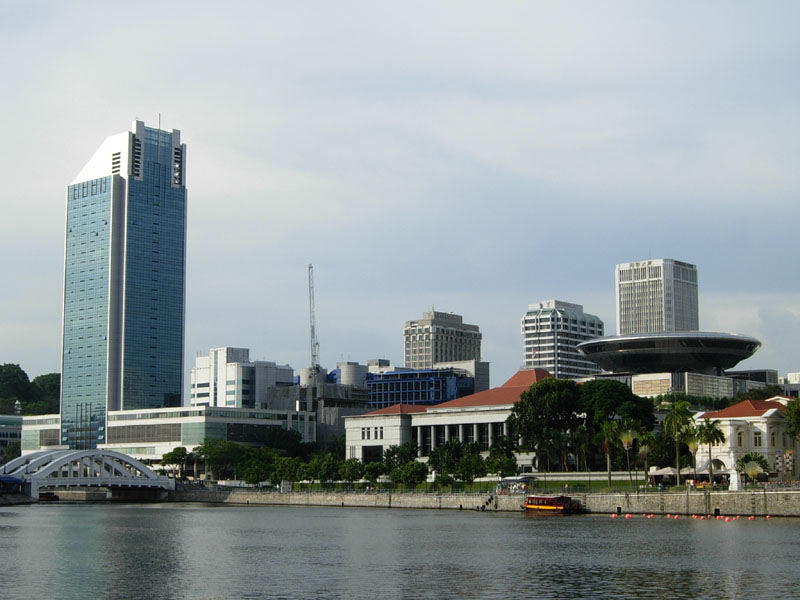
x=526 y=378
x=508 y=393
x=397 y=409
x=746 y=408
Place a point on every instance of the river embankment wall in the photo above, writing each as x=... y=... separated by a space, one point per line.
x=13 y=499
x=755 y=502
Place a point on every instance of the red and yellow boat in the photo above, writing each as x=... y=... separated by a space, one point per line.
x=552 y=505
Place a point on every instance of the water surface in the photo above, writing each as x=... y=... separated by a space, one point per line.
x=199 y=551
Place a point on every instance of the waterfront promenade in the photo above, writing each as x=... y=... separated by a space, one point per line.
x=758 y=502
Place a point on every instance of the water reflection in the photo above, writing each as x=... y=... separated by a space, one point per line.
x=195 y=551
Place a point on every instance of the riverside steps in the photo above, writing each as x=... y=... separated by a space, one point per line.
x=758 y=502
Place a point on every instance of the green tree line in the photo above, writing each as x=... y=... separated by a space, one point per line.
x=38 y=397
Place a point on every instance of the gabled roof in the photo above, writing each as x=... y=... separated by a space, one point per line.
x=747 y=408
x=396 y=409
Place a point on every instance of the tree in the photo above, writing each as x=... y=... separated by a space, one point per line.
x=606 y=399
x=792 y=414
x=286 y=441
x=752 y=464
x=444 y=458
x=410 y=474
x=222 y=456
x=504 y=466
x=397 y=456
x=647 y=443
x=762 y=393
x=14 y=387
x=373 y=470
x=544 y=416
x=675 y=423
x=351 y=469
x=13 y=450
x=287 y=468
x=692 y=441
x=46 y=395
x=609 y=436
x=627 y=433
x=709 y=432
x=258 y=468
x=176 y=458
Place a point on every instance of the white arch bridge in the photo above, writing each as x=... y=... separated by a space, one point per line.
x=52 y=470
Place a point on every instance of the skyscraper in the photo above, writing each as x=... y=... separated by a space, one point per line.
x=440 y=337
x=124 y=271
x=551 y=332
x=656 y=295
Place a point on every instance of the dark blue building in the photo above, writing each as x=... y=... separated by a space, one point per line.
x=418 y=386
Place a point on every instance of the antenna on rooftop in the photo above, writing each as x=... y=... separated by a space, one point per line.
x=313 y=322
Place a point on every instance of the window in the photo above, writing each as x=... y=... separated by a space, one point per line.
x=739 y=439
x=757 y=439
x=772 y=438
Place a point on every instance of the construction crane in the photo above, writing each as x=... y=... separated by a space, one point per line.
x=315 y=368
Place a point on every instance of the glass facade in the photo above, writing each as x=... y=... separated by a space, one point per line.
x=86 y=313
x=427 y=387
x=154 y=280
x=123 y=283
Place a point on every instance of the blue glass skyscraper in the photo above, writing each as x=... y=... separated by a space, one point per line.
x=124 y=292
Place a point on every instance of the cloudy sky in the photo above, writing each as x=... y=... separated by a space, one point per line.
x=472 y=157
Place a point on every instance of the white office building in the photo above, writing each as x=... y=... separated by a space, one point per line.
x=440 y=337
x=656 y=295
x=228 y=378
x=551 y=332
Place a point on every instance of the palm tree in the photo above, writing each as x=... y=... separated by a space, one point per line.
x=627 y=434
x=647 y=443
x=609 y=434
x=709 y=432
x=674 y=424
x=752 y=464
x=691 y=440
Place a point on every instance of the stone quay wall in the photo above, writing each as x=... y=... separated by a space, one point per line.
x=756 y=502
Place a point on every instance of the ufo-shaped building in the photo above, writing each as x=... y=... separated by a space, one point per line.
x=670 y=351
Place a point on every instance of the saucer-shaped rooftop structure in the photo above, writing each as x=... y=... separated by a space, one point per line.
x=670 y=351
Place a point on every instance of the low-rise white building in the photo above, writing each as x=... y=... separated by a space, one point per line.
x=752 y=426
x=477 y=418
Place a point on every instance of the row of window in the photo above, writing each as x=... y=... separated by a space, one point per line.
x=367 y=431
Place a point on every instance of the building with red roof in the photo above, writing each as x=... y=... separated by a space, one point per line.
x=751 y=426
x=478 y=418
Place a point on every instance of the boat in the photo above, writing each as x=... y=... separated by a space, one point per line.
x=552 y=505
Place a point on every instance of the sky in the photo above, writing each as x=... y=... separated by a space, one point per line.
x=470 y=157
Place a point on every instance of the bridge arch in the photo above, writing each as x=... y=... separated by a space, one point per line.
x=51 y=469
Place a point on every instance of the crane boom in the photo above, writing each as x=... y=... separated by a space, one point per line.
x=313 y=321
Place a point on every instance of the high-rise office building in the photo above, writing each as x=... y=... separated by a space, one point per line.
x=656 y=295
x=124 y=271
x=440 y=337
x=551 y=332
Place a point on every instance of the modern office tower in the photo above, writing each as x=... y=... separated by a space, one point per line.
x=656 y=295
x=228 y=378
x=440 y=337
x=551 y=332
x=124 y=269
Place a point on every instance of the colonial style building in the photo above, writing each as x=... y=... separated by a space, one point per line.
x=477 y=418
x=752 y=426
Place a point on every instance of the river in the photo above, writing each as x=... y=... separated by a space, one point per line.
x=200 y=551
